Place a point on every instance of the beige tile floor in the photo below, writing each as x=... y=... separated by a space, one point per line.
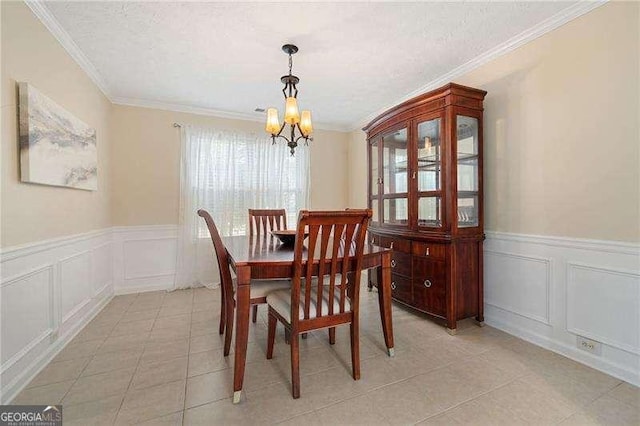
x=156 y=359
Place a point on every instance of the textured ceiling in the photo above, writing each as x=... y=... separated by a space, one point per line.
x=354 y=59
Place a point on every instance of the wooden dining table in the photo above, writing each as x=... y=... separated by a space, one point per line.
x=264 y=257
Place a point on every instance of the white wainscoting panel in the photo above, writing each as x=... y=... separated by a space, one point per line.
x=530 y=298
x=591 y=290
x=144 y=258
x=102 y=262
x=550 y=290
x=50 y=290
x=27 y=312
x=74 y=280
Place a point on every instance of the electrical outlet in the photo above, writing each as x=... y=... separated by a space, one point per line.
x=589 y=345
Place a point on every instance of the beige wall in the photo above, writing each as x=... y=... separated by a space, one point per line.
x=358 y=169
x=562 y=133
x=32 y=212
x=146 y=172
x=562 y=138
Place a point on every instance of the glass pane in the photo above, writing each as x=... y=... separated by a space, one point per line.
x=468 y=171
x=374 y=207
x=467 y=153
x=429 y=213
x=375 y=174
x=394 y=160
x=396 y=211
x=468 y=174
x=467 y=212
x=429 y=161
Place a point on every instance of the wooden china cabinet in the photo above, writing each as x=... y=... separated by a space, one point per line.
x=425 y=190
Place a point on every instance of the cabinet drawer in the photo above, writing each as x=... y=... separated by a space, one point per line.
x=401 y=263
x=396 y=244
x=429 y=250
x=429 y=286
x=401 y=288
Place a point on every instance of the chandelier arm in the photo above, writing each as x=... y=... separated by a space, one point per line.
x=283 y=137
x=301 y=132
x=284 y=123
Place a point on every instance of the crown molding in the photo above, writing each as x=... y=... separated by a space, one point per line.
x=168 y=106
x=39 y=8
x=548 y=25
x=572 y=12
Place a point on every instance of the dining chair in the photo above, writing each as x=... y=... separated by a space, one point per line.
x=261 y=222
x=259 y=288
x=335 y=247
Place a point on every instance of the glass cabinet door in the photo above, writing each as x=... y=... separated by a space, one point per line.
x=375 y=171
x=429 y=172
x=395 y=177
x=467 y=171
x=375 y=178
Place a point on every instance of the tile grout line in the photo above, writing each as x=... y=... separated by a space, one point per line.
x=468 y=400
x=139 y=360
x=94 y=354
x=186 y=380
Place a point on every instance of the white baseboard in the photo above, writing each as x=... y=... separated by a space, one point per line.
x=551 y=290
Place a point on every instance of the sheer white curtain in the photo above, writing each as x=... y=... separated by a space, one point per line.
x=228 y=173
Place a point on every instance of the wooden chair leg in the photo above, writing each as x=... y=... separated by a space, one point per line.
x=271 y=334
x=254 y=315
x=295 y=366
x=332 y=335
x=228 y=330
x=355 y=349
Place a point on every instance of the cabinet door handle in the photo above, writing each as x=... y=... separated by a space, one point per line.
x=391 y=246
x=393 y=285
x=393 y=263
x=427 y=283
x=427 y=252
x=413 y=176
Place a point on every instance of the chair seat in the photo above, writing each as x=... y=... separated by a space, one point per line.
x=280 y=301
x=260 y=288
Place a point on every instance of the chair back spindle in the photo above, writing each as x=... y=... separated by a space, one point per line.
x=335 y=247
x=262 y=221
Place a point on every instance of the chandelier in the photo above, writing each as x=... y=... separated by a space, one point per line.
x=292 y=117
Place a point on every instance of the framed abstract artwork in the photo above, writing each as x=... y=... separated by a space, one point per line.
x=56 y=148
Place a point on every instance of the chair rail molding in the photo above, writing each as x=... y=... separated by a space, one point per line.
x=591 y=289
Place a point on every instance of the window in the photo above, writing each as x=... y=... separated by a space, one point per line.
x=236 y=172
